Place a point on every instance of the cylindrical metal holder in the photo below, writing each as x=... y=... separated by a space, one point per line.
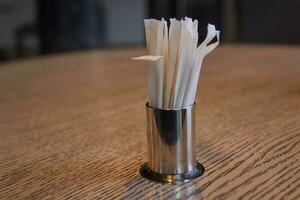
x=171 y=146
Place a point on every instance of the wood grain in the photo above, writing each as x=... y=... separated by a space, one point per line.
x=73 y=126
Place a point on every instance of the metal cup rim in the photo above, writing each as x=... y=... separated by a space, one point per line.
x=168 y=109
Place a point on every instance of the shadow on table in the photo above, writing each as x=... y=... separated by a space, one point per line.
x=141 y=188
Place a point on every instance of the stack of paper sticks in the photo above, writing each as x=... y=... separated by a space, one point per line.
x=173 y=80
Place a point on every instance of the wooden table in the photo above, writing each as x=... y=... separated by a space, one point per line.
x=73 y=126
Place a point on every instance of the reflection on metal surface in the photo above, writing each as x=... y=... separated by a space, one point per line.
x=171 y=178
x=171 y=146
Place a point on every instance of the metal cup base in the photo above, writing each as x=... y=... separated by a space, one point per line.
x=172 y=179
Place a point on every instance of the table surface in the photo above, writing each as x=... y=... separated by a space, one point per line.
x=73 y=126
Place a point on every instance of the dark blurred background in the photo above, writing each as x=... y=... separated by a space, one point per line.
x=36 y=27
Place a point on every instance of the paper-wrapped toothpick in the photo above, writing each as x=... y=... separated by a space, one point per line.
x=175 y=61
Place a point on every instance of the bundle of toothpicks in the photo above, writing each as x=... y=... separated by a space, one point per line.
x=174 y=60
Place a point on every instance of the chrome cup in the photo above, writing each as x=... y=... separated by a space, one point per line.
x=171 y=145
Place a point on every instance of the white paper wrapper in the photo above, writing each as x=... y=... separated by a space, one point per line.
x=173 y=80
